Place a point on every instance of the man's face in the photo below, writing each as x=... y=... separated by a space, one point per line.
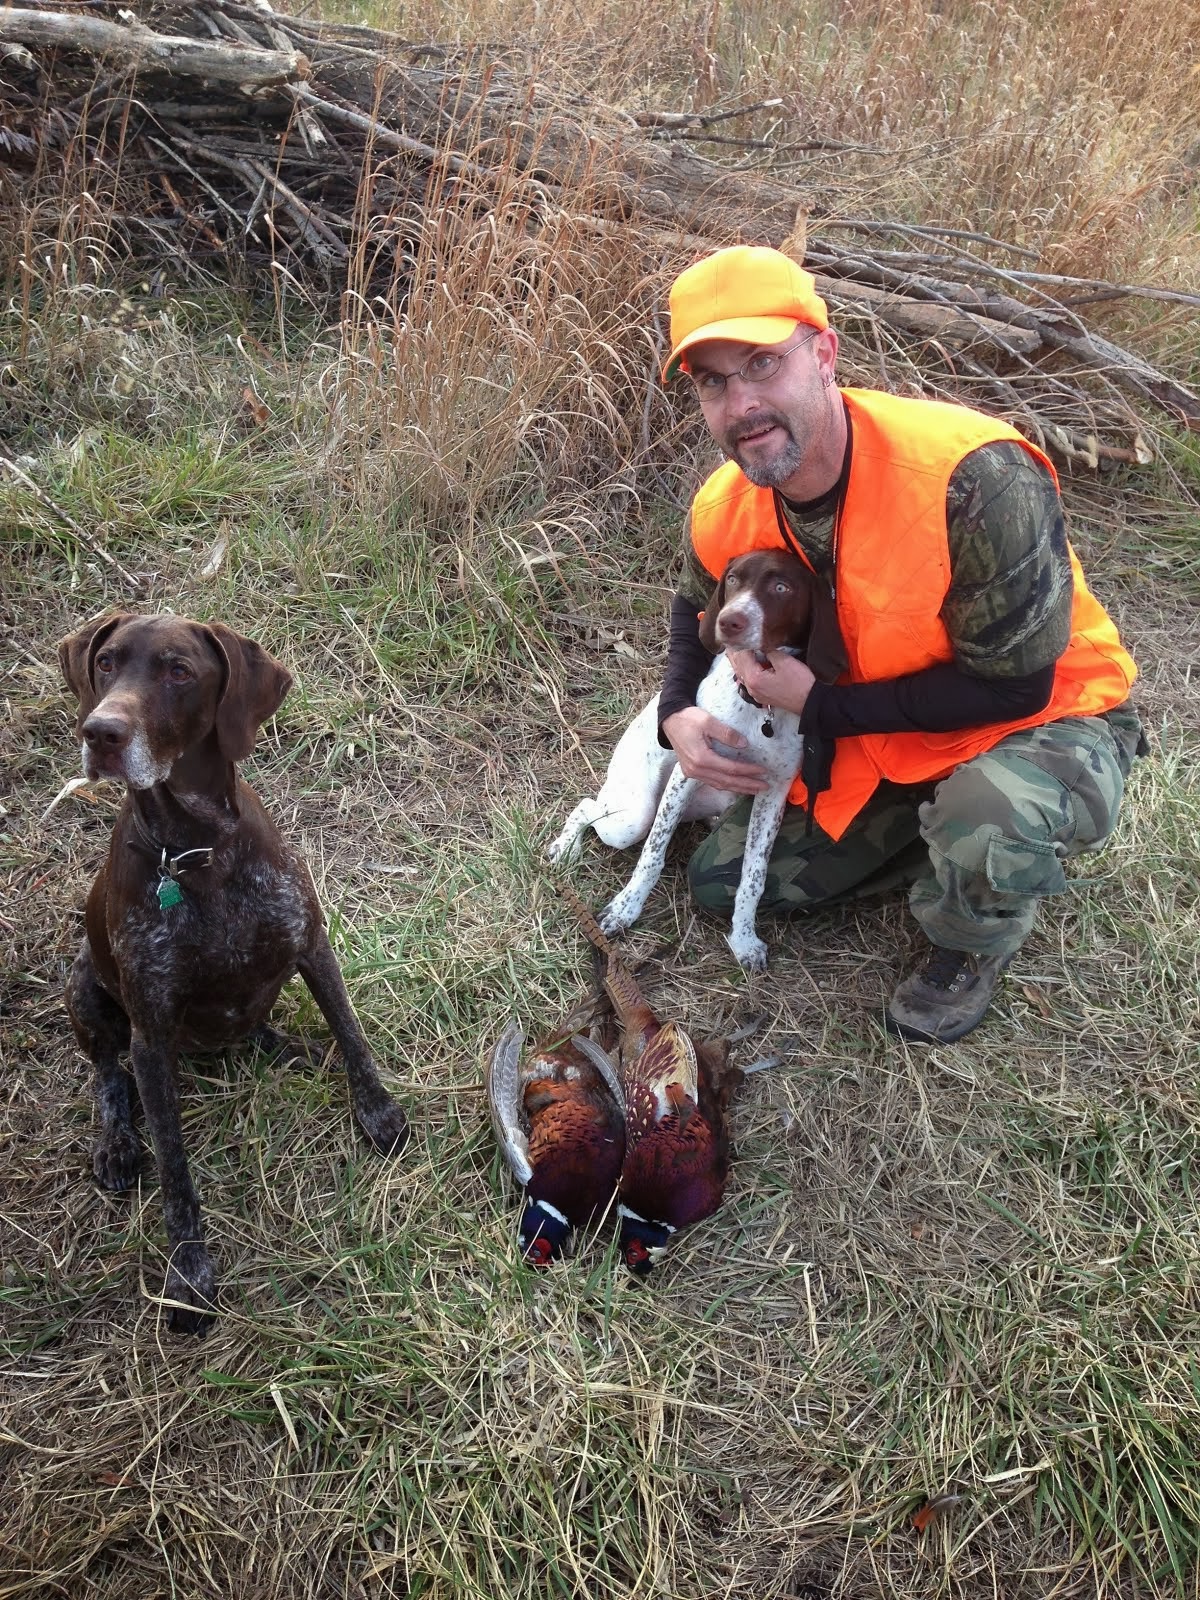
x=776 y=429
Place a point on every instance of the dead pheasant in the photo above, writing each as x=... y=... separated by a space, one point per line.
x=677 y=1097
x=560 y=1121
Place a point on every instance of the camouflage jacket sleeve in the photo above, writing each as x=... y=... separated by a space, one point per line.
x=1008 y=608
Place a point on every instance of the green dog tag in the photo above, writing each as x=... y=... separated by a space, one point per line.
x=169 y=894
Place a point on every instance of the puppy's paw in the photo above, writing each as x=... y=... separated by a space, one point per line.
x=384 y=1123
x=749 y=950
x=116 y=1158
x=616 y=916
x=567 y=847
x=192 y=1284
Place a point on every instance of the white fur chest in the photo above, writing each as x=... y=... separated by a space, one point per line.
x=779 y=752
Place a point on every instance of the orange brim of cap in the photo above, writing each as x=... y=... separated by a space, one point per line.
x=740 y=330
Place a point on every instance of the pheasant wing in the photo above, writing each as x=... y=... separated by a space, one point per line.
x=666 y=1072
x=670 y=1058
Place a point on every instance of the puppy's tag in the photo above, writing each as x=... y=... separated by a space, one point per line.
x=768 y=728
x=169 y=894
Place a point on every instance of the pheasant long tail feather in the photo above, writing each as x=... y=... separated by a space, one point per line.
x=633 y=1013
x=588 y=923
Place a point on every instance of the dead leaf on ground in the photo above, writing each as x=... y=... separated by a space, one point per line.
x=254 y=411
x=1037 y=999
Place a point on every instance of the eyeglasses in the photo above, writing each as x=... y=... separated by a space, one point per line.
x=763 y=364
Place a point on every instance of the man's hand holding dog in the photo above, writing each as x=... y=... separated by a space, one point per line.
x=784 y=684
x=697 y=738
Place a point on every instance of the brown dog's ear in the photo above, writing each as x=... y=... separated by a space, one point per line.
x=708 y=620
x=77 y=652
x=255 y=684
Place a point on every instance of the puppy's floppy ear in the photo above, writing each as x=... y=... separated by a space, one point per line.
x=823 y=646
x=708 y=620
x=802 y=612
x=77 y=652
x=255 y=684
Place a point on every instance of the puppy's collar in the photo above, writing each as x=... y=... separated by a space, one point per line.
x=768 y=726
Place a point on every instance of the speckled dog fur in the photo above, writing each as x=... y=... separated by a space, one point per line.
x=168 y=707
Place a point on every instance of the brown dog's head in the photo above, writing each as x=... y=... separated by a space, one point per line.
x=763 y=602
x=151 y=688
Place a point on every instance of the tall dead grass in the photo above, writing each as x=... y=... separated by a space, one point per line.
x=503 y=367
x=1068 y=127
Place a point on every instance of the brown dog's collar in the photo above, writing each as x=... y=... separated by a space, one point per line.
x=170 y=863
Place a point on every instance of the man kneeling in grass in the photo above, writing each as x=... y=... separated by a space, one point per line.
x=981 y=730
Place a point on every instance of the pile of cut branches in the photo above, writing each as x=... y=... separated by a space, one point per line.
x=221 y=131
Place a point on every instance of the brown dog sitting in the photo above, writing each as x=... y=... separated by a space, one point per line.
x=202 y=912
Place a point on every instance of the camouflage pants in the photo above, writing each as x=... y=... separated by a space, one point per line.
x=980 y=849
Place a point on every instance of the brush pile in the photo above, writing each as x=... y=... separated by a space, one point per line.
x=217 y=134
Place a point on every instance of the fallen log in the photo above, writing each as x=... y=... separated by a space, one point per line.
x=928 y=319
x=133 y=45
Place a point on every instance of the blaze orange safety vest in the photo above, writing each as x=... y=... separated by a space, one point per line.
x=892 y=574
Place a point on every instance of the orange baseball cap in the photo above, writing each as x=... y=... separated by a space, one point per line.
x=749 y=293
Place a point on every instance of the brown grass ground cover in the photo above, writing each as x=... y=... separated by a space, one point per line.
x=967 y=1276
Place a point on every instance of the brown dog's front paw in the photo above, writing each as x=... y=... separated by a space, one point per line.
x=385 y=1124
x=192 y=1283
x=116 y=1158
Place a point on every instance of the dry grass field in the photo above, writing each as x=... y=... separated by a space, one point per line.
x=942 y=1340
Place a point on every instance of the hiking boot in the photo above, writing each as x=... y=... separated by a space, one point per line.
x=946 y=998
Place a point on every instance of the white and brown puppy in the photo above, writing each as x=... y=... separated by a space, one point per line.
x=762 y=603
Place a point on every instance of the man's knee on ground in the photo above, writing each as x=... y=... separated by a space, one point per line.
x=966 y=812
x=977 y=828
x=713 y=880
